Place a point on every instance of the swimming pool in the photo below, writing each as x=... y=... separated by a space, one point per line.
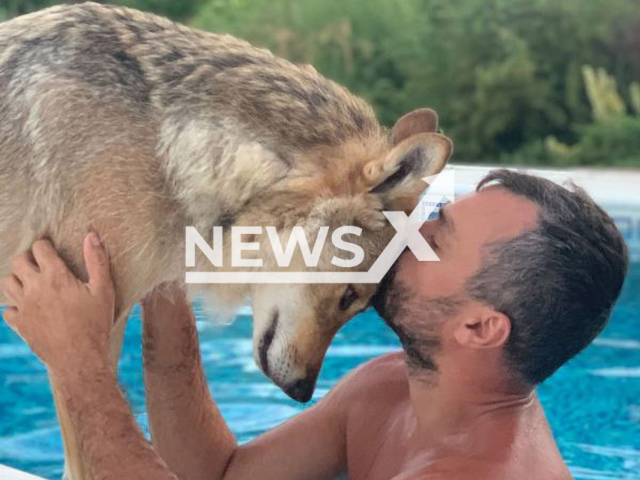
x=593 y=403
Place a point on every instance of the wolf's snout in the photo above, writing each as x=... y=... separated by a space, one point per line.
x=302 y=390
x=275 y=358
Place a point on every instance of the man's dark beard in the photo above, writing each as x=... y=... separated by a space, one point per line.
x=418 y=346
x=379 y=300
x=414 y=319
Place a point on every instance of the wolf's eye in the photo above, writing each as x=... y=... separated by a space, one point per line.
x=348 y=297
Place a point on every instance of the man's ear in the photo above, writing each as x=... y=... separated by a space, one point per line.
x=397 y=178
x=490 y=329
x=422 y=120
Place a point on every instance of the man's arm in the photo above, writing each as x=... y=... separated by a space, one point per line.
x=189 y=432
x=112 y=445
x=67 y=324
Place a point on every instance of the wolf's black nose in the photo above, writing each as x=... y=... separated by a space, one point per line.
x=302 y=390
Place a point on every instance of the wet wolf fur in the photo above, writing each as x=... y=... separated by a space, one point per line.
x=133 y=126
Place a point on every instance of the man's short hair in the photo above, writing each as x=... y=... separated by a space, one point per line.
x=557 y=283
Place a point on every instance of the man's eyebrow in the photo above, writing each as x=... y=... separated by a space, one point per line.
x=445 y=220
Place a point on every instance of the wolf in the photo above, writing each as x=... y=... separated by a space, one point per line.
x=127 y=124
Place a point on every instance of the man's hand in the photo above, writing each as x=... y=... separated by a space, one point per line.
x=66 y=322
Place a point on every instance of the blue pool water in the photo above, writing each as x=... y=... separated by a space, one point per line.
x=593 y=403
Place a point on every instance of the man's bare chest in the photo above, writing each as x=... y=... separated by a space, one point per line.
x=381 y=446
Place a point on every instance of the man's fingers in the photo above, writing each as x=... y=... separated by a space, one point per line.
x=97 y=262
x=12 y=289
x=47 y=258
x=23 y=267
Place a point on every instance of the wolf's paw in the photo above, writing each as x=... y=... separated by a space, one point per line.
x=363 y=211
x=371 y=220
x=369 y=213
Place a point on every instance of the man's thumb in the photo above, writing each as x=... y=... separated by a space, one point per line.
x=97 y=262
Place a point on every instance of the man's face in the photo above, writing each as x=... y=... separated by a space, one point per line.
x=419 y=296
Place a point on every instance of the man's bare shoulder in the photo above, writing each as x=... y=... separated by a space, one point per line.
x=383 y=379
x=387 y=371
x=475 y=471
x=480 y=476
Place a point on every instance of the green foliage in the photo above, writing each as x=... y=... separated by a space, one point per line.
x=180 y=10
x=504 y=75
x=13 y=8
x=615 y=140
x=603 y=94
x=634 y=94
x=613 y=133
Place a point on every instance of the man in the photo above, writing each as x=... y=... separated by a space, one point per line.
x=528 y=275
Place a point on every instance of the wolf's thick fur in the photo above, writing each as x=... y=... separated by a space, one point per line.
x=133 y=126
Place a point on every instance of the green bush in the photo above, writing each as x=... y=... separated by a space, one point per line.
x=613 y=134
x=612 y=141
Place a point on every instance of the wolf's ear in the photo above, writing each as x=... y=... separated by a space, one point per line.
x=397 y=178
x=422 y=120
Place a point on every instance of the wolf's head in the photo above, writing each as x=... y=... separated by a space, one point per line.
x=329 y=189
